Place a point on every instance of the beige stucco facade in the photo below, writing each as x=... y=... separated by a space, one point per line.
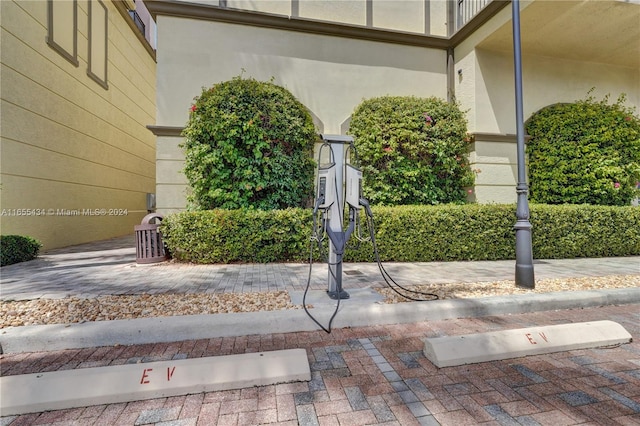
x=328 y=74
x=491 y=107
x=416 y=16
x=76 y=109
x=333 y=54
x=76 y=157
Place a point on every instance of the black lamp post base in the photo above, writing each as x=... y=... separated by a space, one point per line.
x=525 y=277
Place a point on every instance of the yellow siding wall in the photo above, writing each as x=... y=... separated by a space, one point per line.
x=67 y=143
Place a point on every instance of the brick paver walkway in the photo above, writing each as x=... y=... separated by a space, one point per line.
x=109 y=267
x=378 y=375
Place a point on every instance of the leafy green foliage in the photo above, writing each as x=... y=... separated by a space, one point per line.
x=412 y=150
x=566 y=231
x=407 y=233
x=441 y=233
x=249 y=144
x=17 y=248
x=587 y=152
x=243 y=235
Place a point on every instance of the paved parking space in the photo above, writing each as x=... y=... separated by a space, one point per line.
x=378 y=375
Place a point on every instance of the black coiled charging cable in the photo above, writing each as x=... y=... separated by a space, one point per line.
x=304 y=296
x=430 y=296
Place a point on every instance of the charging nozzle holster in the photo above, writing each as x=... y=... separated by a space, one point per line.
x=353 y=186
x=326 y=189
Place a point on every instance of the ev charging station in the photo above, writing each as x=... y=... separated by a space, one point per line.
x=338 y=181
x=339 y=186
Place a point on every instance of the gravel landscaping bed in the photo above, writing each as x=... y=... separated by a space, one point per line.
x=506 y=287
x=75 y=310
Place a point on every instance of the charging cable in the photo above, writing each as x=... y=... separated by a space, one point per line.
x=387 y=278
x=306 y=290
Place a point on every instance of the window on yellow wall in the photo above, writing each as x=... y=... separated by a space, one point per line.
x=62 y=34
x=98 y=42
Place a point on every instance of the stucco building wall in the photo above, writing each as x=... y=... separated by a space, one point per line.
x=329 y=75
x=588 y=44
x=417 y=16
x=484 y=85
x=486 y=91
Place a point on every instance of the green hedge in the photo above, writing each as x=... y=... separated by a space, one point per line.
x=249 y=144
x=586 y=152
x=566 y=231
x=412 y=151
x=407 y=234
x=17 y=248
x=225 y=236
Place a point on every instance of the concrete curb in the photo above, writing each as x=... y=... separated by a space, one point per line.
x=172 y=329
x=452 y=351
x=64 y=389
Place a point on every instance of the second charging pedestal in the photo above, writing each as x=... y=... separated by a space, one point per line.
x=336 y=215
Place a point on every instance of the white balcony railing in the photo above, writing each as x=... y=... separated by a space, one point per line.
x=467 y=9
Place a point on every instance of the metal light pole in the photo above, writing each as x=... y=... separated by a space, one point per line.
x=524 y=252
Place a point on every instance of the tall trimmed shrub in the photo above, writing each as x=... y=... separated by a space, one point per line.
x=412 y=150
x=587 y=152
x=249 y=144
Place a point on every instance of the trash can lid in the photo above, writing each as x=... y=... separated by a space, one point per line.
x=148 y=218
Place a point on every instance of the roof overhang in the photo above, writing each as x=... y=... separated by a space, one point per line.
x=600 y=31
x=603 y=31
x=210 y=12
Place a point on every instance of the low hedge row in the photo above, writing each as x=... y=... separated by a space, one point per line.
x=17 y=248
x=226 y=236
x=407 y=234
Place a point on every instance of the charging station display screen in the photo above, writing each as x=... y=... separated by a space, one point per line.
x=326 y=185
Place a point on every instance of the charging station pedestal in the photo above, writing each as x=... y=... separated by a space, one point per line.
x=338 y=144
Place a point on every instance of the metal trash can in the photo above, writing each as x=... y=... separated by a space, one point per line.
x=149 y=246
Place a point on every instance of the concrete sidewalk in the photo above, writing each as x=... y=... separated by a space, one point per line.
x=369 y=370
x=109 y=268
